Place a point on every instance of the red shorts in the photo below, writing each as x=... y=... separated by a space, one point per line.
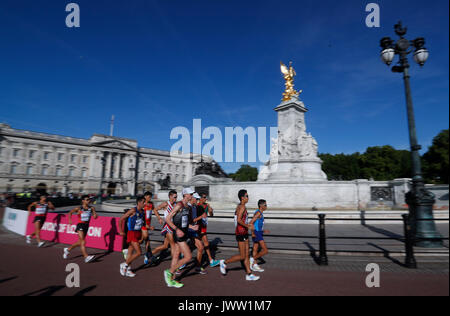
x=134 y=236
x=203 y=229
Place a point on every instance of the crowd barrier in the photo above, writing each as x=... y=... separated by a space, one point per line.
x=103 y=232
x=15 y=220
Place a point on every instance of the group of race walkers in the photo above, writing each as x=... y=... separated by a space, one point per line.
x=183 y=221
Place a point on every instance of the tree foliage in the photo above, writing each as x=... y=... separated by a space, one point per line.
x=435 y=161
x=245 y=174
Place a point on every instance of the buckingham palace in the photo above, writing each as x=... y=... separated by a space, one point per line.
x=31 y=161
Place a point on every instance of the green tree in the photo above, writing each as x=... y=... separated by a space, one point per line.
x=245 y=174
x=436 y=160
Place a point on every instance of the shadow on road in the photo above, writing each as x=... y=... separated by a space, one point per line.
x=47 y=291
x=8 y=279
x=387 y=254
x=86 y=290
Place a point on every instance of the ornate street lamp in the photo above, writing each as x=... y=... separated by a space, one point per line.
x=419 y=199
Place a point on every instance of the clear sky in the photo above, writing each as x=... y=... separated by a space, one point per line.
x=156 y=65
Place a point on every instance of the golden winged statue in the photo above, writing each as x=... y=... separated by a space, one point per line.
x=289 y=74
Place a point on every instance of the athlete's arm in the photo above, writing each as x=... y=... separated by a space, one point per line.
x=169 y=218
x=51 y=206
x=210 y=210
x=75 y=210
x=160 y=220
x=122 y=220
x=31 y=205
x=94 y=212
x=255 y=218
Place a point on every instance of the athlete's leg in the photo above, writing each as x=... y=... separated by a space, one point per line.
x=264 y=251
x=187 y=256
x=200 y=248
x=82 y=238
x=37 y=231
x=164 y=246
x=240 y=256
x=244 y=252
x=134 y=251
x=206 y=245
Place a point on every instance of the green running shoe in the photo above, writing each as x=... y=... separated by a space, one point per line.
x=177 y=284
x=168 y=278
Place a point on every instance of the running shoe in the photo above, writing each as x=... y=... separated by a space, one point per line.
x=28 y=239
x=256 y=268
x=129 y=273
x=223 y=267
x=154 y=260
x=214 y=263
x=66 y=253
x=123 y=269
x=201 y=271
x=125 y=253
x=252 y=261
x=252 y=277
x=176 y=284
x=41 y=244
x=88 y=259
x=145 y=260
x=168 y=277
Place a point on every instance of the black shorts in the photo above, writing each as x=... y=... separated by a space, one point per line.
x=40 y=219
x=82 y=227
x=185 y=238
x=241 y=238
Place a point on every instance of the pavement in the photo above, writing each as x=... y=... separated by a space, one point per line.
x=30 y=271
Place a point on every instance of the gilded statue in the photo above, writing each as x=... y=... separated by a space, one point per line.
x=289 y=74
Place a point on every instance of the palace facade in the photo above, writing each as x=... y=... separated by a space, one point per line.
x=32 y=161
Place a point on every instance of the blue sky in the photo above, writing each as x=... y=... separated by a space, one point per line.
x=157 y=65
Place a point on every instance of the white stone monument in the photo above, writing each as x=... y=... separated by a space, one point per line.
x=293 y=155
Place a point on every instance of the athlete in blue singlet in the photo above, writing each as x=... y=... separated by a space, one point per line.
x=135 y=221
x=258 y=236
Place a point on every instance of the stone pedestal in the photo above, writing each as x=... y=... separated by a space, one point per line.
x=293 y=154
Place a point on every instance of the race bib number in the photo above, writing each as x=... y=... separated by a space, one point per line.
x=184 y=221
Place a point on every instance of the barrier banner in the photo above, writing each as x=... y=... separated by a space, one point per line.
x=15 y=220
x=103 y=232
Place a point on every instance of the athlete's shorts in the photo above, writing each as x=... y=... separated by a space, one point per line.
x=82 y=227
x=259 y=236
x=192 y=233
x=40 y=219
x=185 y=238
x=166 y=229
x=202 y=229
x=134 y=236
x=241 y=238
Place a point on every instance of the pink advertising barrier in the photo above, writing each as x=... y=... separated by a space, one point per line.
x=103 y=232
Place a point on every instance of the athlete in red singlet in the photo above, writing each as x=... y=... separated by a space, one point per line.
x=148 y=209
x=242 y=228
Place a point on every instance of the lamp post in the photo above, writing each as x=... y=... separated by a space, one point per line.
x=420 y=201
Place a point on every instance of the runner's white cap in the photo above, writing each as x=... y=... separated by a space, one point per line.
x=197 y=196
x=188 y=191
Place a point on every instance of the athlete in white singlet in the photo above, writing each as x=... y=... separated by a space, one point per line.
x=85 y=212
x=41 y=209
